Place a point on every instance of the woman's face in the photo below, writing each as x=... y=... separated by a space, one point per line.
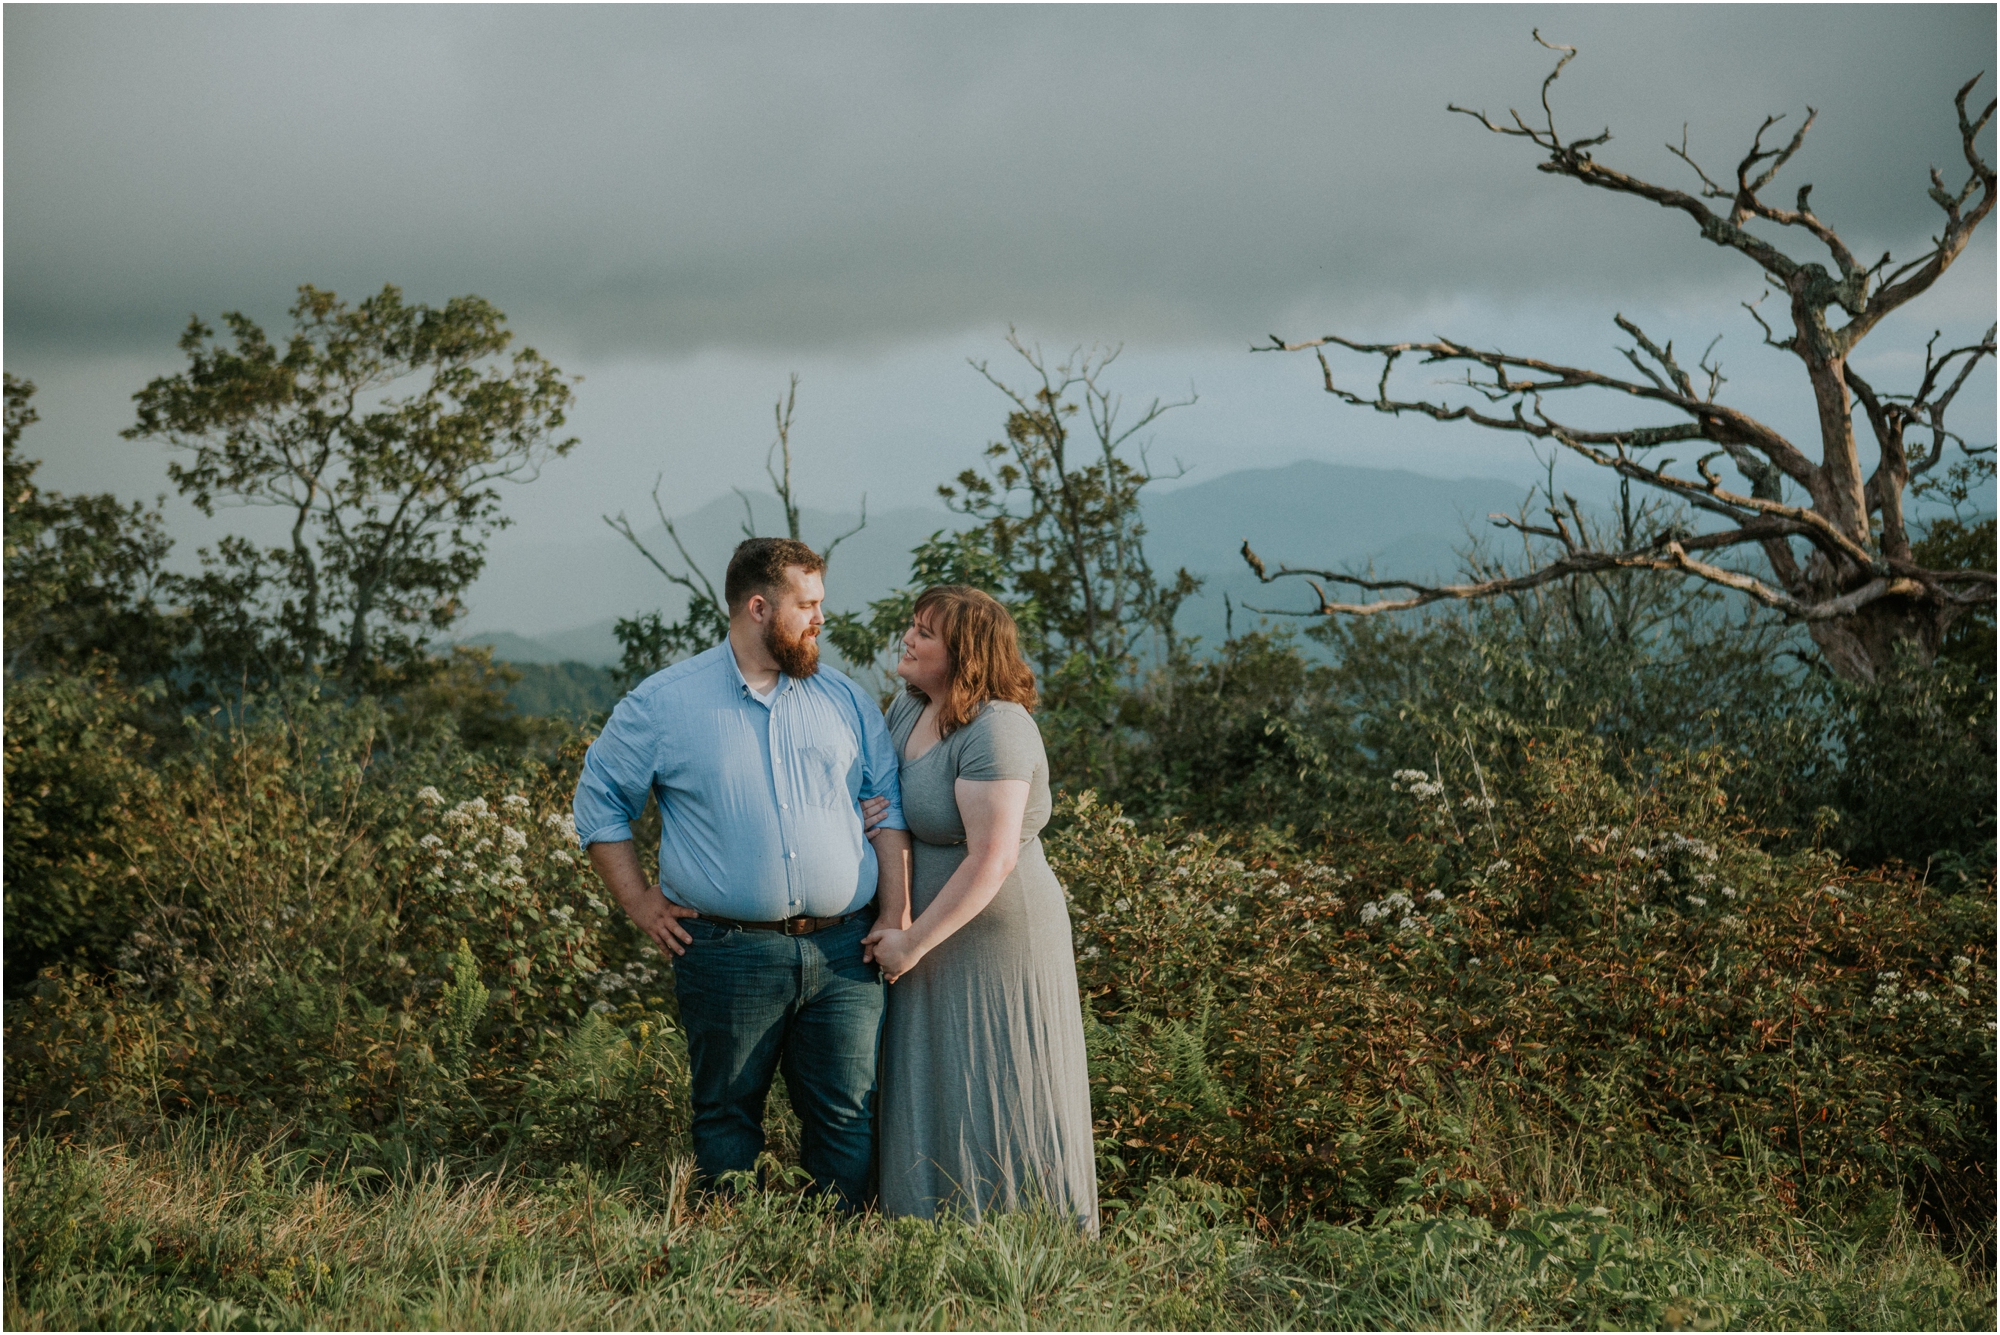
x=924 y=664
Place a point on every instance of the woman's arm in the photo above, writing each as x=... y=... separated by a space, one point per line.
x=992 y=811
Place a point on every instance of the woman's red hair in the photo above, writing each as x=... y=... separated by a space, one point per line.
x=984 y=647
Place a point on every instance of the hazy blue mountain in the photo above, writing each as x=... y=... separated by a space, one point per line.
x=558 y=602
x=1403 y=525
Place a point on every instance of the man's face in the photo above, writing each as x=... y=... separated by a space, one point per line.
x=793 y=616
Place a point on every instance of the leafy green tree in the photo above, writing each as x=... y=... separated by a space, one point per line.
x=84 y=574
x=942 y=558
x=1058 y=506
x=1060 y=509
x=381 y=430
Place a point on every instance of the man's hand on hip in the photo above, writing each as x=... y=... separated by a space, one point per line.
x=660 y=919
x=617 y=865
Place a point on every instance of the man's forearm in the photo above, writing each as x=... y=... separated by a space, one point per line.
x=617 y=865
x=892 y=877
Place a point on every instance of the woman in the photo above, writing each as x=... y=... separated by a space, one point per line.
x=985 y=1092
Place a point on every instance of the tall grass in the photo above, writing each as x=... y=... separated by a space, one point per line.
x=207 y=1230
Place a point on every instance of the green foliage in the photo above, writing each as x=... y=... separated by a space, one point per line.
x=1239 y=738
x=380 y=432
x=649 y=642
x=1964 y=541
x=84 y=574
x=1614 y=971
x=468 y=698
x=1917 y=778
x=296 y=951
x=1059 y=511
x=576 y=692
x=942 y=558
x=77 y=756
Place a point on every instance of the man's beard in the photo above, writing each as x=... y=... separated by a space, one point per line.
x=797 y=659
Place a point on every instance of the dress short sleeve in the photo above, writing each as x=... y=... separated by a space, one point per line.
x=1002 y=743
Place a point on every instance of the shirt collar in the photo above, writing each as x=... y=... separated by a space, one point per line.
x=742 y=683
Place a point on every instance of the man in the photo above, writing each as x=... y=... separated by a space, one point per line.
x=759 y=758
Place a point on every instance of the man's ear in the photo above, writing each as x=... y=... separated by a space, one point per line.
x=758 y=606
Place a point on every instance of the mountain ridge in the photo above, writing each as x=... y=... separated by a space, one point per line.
x=1330 y=516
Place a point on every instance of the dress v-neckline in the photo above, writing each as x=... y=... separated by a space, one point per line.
x=909 y=759
x=902 y=752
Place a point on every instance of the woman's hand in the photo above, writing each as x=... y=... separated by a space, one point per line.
x=873 y=809
x=891 y=950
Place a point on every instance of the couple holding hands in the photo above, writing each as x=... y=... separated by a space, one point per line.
x=860 y=902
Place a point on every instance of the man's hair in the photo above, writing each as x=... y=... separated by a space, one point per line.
x=984 y=647
x=759 y=566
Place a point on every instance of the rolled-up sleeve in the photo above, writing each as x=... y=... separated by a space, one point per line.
x=617 y=778
x=879 y=770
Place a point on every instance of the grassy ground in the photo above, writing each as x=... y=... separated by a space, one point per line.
x=207 y=1233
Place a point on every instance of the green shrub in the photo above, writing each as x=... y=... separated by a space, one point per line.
x=307 y=942
x=76 y=758
x=1612 y=978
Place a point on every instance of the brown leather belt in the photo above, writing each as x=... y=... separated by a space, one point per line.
x=799 y=926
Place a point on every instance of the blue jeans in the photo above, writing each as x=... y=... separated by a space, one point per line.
x=757 y=1002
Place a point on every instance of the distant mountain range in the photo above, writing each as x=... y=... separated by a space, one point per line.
x=1315 y=514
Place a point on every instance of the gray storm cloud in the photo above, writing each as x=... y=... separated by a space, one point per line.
x=658 y=180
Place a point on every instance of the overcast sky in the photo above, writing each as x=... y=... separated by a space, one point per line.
x=686 y=204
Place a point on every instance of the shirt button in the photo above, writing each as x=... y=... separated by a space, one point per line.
x=792 y=854
x=783 y=807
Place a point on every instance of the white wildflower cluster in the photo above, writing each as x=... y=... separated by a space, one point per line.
x=1417 y=783
x=1397 y=905
x=1478 y=804
x=1694 y=848
x=1887 y=995
x=634 y=976
x=481 y=855
x=563 y=823
x=1495 y=867
x=1697 y=901
x=430 y=796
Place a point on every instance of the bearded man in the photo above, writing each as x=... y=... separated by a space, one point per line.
x=760 y=758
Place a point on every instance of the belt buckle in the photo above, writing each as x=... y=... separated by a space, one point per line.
x=796 y=926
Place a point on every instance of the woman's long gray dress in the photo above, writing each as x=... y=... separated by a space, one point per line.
x=985 y=1089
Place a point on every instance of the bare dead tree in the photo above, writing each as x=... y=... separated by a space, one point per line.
x=650 y=641
x=1859 y=589
x=781 y=479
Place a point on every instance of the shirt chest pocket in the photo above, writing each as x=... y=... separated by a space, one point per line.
x=824 y=773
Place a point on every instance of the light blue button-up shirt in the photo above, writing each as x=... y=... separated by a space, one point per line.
x=760 y=814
